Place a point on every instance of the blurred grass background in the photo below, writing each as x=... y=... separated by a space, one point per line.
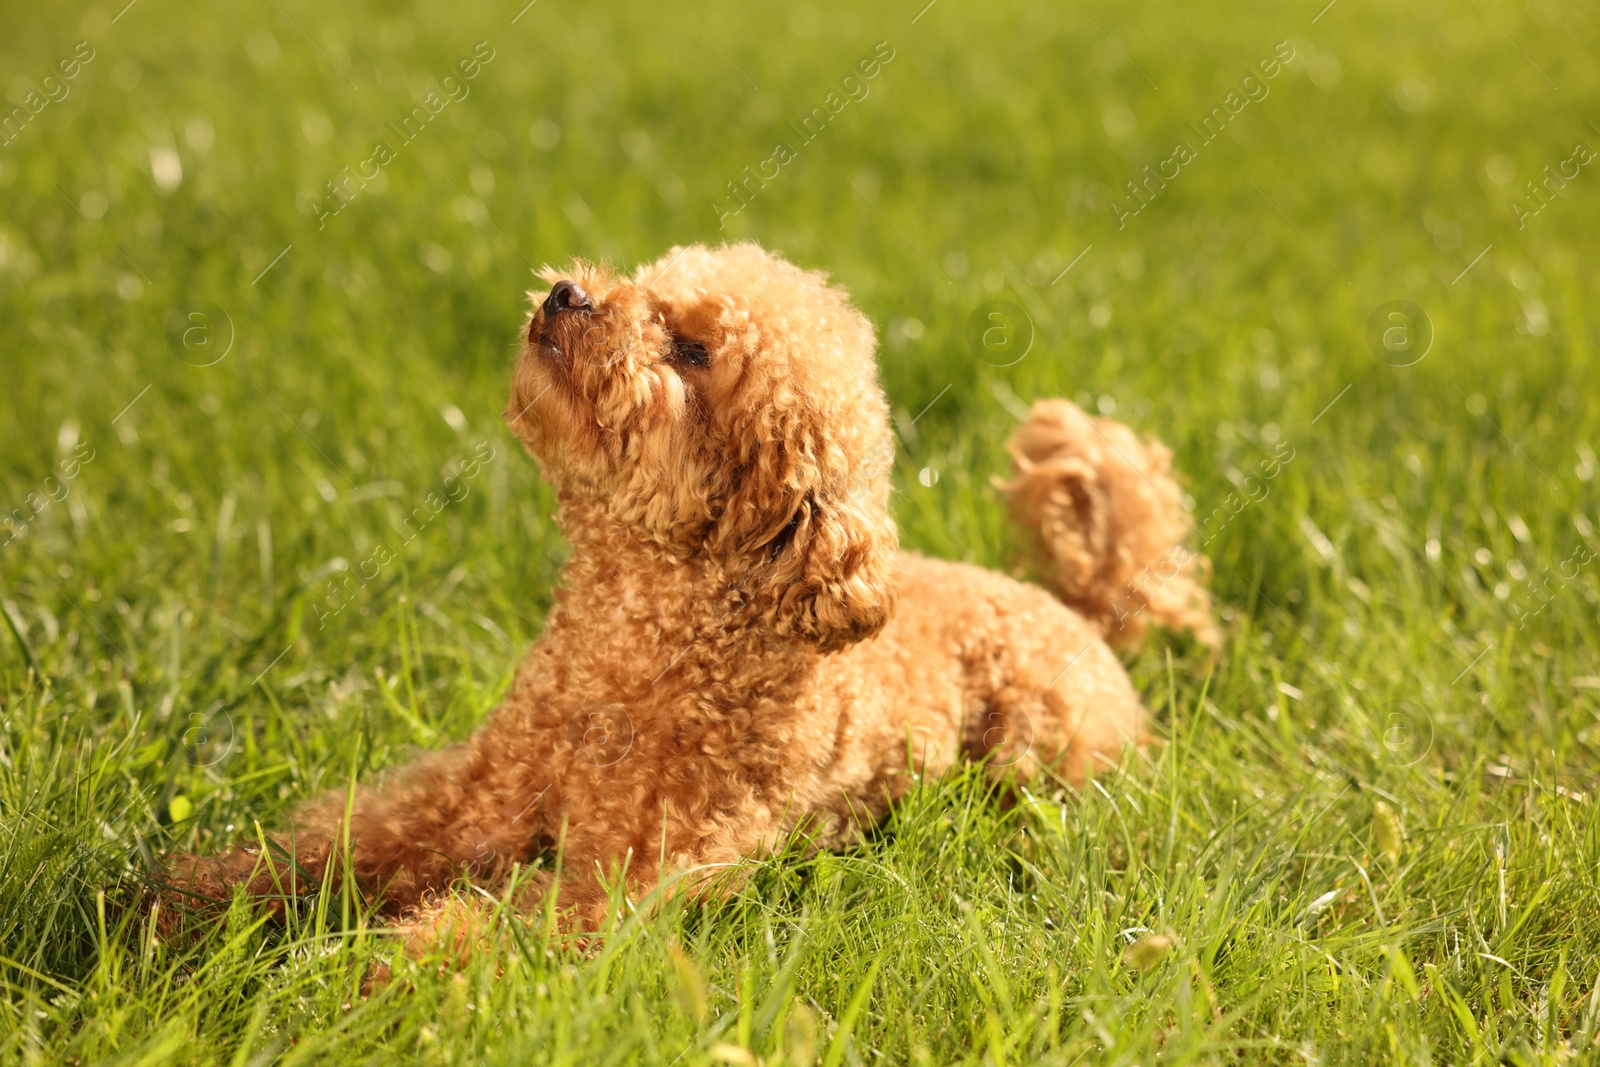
x=1372 y=834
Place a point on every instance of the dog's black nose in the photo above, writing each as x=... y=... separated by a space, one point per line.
x=566 y=296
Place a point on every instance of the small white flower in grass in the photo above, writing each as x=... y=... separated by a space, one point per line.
x=166 y=169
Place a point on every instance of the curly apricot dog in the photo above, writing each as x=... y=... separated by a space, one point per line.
x=738 y=647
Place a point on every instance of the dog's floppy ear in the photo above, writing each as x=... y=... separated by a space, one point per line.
x=809 y=534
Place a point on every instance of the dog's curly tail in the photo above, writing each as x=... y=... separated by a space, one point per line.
x=1110 y=523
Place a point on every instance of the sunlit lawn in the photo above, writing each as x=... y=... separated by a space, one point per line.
x=1371 y=834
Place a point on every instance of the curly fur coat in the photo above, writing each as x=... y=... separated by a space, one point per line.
x=738 y=647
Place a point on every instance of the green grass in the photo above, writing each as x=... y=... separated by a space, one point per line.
x=174 y=674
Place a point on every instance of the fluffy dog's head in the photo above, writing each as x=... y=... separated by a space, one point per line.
x=724 y=403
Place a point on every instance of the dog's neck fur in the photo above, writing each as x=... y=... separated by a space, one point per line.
x=657 y=631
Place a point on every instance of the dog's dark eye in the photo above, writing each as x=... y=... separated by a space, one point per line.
x=692 y=352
